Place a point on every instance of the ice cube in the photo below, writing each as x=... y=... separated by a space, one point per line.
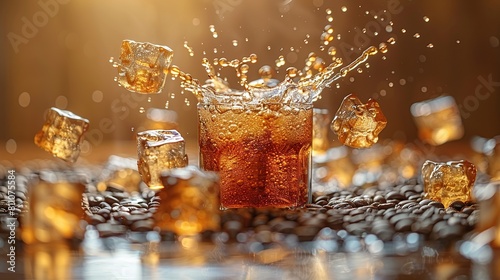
x=120 y=173
x=356 y=124
x=159 y=150
x=492 y=151
x=189 y=201
x=488 y=196
x=438 y=120
x=321 y=120
x=55 y=212
x=450 y=181
x=334 y=166
x=62 y=134
x=143 y=67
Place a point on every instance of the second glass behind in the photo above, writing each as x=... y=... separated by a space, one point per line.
x=261 y=151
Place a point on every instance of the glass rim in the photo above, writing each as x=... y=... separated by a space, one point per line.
x=295 y=104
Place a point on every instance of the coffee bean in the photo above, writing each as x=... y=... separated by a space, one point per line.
x=154 y=204
x=380 y=199
x=104 y=212
x=396 y=218
x=386 y=205
x=404 y=225
x=110 y=199
x=467 y=210
x=143 y=225
x=437 y=204
x=21 y=195
x=96 y=219
x=394 y=195
x=342 y=205
x=114 y=188
x=312 y=206
x=359 y=202
x=105 y=205
x=415 y=197
x=457 y=205
x=410 y=205
x=407 y=188
x=353 y=219
x=403 y=203
x=425 y=201
x=321 y=198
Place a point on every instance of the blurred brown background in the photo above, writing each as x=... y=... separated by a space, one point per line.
x=56 y=53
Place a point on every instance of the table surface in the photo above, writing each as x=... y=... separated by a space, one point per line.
x=130 y=257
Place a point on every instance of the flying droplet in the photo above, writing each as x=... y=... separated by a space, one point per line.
x=343 y=9
x=426 y=19
x=382 y=48
x=417 y=35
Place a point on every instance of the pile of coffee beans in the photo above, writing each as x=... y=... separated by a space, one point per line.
x=382 y=212
x=385 y=213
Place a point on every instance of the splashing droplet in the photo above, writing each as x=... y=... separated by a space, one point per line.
x=383 y=48
x=188 y=48
x=142 y=110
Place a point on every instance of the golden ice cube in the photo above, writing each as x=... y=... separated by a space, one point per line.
x=62 y=134
x=488 y=196
x=356 y=124
x=55 y=212
x=143 y=67
x=438 y=120
x=189 y=201
x=159 y=150
x=450 y=181
x=320 y=142
x=334 y=166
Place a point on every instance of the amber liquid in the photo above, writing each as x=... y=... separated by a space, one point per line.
x=262 y=153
